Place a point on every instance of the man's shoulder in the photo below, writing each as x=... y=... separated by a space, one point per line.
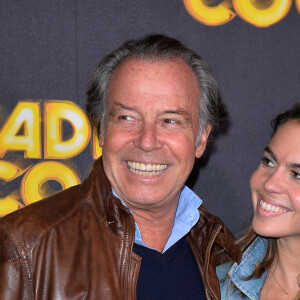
x=210 y=226
x=27 y=225
x=213 y=222
x=207 y=218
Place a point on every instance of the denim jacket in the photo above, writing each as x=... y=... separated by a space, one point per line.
x=231 y=275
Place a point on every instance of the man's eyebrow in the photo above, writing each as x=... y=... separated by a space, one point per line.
x=168 y=111
x=268 y=149
x=122 y=106
x=177 y=112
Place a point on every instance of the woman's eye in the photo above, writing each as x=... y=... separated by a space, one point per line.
x=267 y=162
x=296 y=175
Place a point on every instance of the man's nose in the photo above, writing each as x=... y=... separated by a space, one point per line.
x=147 y=138
x=275 y=182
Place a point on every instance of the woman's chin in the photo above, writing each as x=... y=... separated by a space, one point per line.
x=264 y=229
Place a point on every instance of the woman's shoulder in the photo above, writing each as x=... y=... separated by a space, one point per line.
x=222 y=270
x=231 y=275
x=227 y=289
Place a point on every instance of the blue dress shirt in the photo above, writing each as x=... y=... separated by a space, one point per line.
x=186 y=217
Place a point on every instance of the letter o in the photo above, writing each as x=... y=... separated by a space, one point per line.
x=253 y=12
x=31 y=185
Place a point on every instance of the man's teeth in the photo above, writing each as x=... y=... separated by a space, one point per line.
x=146 y=169
x=270 y=207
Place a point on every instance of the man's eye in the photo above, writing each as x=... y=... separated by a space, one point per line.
x=126 y=118
x=171 y=121
x=267 y=162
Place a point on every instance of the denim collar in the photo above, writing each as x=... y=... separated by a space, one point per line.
x=254 y=254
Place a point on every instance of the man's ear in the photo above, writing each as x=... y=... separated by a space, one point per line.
x=101 y=138
x=203 y=141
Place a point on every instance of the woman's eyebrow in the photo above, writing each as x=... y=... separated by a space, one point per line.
x=268 y=149
x=289 y=165
x=293 y=166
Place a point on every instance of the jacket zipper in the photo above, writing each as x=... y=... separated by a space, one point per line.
x=208 y=250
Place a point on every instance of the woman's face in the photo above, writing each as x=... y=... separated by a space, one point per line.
x=275 y=185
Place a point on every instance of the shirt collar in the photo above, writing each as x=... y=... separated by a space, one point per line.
x=186 y=217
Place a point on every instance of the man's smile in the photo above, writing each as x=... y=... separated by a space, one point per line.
x=146 y=169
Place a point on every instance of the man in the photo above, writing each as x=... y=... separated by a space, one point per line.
x=132 y=230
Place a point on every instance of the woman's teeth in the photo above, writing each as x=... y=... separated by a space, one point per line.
x=269 y=207
x=146 y=169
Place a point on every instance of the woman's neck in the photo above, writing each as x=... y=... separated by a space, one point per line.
x=288 y=256
x=285 y=269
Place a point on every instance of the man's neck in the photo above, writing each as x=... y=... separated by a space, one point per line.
x=155 y=227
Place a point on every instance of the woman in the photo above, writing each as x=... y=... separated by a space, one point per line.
x=270 y=266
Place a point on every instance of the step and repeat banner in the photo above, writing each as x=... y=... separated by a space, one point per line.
x=50 y=49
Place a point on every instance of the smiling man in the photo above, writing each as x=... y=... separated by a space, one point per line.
x=132 y=230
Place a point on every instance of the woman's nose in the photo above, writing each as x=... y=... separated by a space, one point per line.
x=275 y=182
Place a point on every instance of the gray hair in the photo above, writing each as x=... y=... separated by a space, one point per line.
x=154 y=47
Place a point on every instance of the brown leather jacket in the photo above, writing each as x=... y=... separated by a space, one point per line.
x=78 y=244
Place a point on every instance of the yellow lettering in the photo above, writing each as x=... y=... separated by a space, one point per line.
x=262 y=14
x=297 y=2
x=55 y=113
x=209 y=15
x=97 y=150
x=21 y=131
x=34 y=183
x=8 y=172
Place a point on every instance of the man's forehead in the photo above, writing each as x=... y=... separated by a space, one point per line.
x=135 y=64
x=158 y=74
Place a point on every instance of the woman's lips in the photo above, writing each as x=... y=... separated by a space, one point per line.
x=272 y=208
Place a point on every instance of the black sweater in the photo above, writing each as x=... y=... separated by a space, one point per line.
x=169 y=276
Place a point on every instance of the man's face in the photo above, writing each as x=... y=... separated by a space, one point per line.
x=151 y=127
